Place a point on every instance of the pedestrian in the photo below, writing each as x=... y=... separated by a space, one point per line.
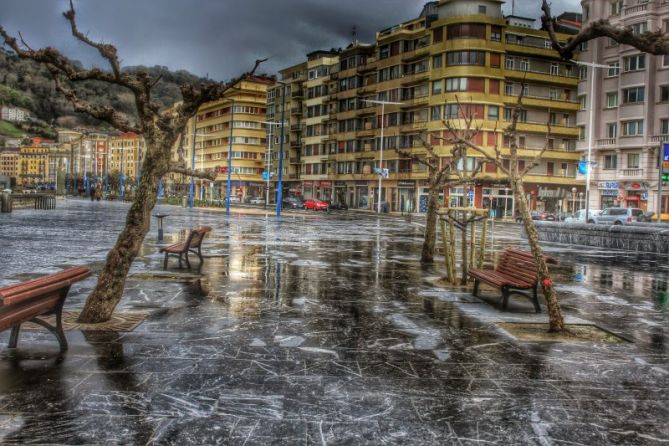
x=98 y=192
x=92 y=192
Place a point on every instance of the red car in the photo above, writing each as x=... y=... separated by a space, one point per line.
x=316 y=205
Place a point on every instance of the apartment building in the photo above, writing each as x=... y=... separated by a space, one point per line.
x=13 y=114
x=235 y=124
x=33 y=165
x=9 y=163
x=455 y=51
x=126 y=151
x=630 y=107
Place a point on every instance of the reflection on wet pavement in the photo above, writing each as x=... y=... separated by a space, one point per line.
x=324 y=330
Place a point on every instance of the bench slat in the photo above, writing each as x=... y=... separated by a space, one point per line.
x=26 y=290
x=10 y=316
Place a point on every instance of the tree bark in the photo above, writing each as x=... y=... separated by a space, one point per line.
x=430 y=241
x=109 y=290
x=555 y=319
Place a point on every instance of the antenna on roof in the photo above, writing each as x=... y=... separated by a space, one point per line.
x=355 y=35
x=513 y=7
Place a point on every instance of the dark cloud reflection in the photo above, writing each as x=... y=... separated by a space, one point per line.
x=217 y=38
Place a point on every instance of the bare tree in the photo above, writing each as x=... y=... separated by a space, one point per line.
x=515 y=177
x=160 y=130
x=652 y=42
x=442 y=173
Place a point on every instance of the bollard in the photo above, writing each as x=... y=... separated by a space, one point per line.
x=5 y=202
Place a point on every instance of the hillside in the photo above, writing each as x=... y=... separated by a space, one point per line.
x=27 y=84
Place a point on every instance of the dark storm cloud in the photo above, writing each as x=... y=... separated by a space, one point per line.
x=216 y=37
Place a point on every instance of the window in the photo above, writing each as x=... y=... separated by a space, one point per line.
x=583 y=100
x=639 y=28
x=508 y=89
x=552 y=118
x=466 y=31
x=436 y=113
x=482 y=9
x=614 y=69
x=436 y=87
x=582 y=72
x=466 y=58
x=616 y=7
x=612 y=100
x=612 y=130
x=524 y=65
x=612 y=42
x=495 y=60
x=493 y=113
x=581 y=132
x=634 y=95
x=634 y=63
x=610 y=162
x=437 y=61
x=456 y=84
x=664 y=93
x=509 y=63
x=553 y=94
x=664 y=126
x=496 y=33
x=633 y=160
x=555 y=69
x=633 y=128
x=493 y=86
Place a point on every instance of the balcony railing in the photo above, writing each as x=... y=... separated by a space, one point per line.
x=605 y=142
x=631 y=173
x=635 y=9
x=659 y=138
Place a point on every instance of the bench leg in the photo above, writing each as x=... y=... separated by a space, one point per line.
x=535 y=300
x=475 y=293
x=180 y=264
x=187 y=261
x=165 y=261
x=14 y=336
x=505 y=298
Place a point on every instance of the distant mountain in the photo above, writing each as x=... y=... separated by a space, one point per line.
x=27 y=84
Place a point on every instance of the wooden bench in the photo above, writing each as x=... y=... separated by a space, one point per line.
x=192 y=244
x=28 y=301
x=515 y=272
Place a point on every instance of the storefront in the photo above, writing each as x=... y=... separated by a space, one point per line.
x=362 y=195
x=637 y=195
x=407 y=196
x=307 y=189
x=500 y=201
x=424 y=196
x=609 y=192
x=553 y=200
x=339 y=195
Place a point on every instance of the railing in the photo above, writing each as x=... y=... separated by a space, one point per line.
x=631 y=173
x=297 y=94
x=635 y=9
x=659 y=138
x=548 y=73
x=295 y=160
x=605 y=142
x=296 y=127
x=296 y=110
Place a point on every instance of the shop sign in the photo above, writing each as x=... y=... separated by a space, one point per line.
x=609 y=193
x=411 y=184
x=551 y=193
x=665 y=158
x=361 y=183
x=340 y=183
x=644 y=196
x=326 y=184
x=609 y=185
x=308 y=183
x=635 y=186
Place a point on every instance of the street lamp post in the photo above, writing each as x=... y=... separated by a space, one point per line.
x=268 y=157
x=383 y=117
x=573 y=201
x=591 y=130
x=192 y=163
x=232 y=122
x=279 y=191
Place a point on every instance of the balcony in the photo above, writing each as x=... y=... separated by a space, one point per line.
x=296 y=111
x=297 y=94
x=296 y=128
x=636 y=9
x=631 y=173
x=295 y=144
x=606 y=142
x=659 y=139
x=293 y=176
x=295 y=160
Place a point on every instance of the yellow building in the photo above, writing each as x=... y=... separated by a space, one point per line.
x=456 y=50
x=240 y=115
x=33 y=165
x=125 y=153
x=9 y=164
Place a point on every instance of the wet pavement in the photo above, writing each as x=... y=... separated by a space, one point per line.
x=323 y=330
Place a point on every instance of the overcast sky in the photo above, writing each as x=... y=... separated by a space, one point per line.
x=218 y=38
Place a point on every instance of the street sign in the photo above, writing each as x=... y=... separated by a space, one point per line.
x=665 y=158
x=385 y=173
x=583 y=167
x=266 y=175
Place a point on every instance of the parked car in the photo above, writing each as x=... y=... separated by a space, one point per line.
x=340 y=206
x=618 y=216
x=542 y=216
x=292 y=203
x=579 y=217
x=316 y=205
x=255 y=200
x=647 y=217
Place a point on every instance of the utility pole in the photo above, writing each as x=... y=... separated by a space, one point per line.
x=279 y=192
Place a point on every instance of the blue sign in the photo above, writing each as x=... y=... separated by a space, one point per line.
x=266 y=175
x=583 y=167
x=665 y=158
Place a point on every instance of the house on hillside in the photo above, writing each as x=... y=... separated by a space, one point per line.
x=13 y=114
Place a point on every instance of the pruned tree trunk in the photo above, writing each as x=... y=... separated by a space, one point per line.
x=555 y=319
x=430 y=241
x=109 y=290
